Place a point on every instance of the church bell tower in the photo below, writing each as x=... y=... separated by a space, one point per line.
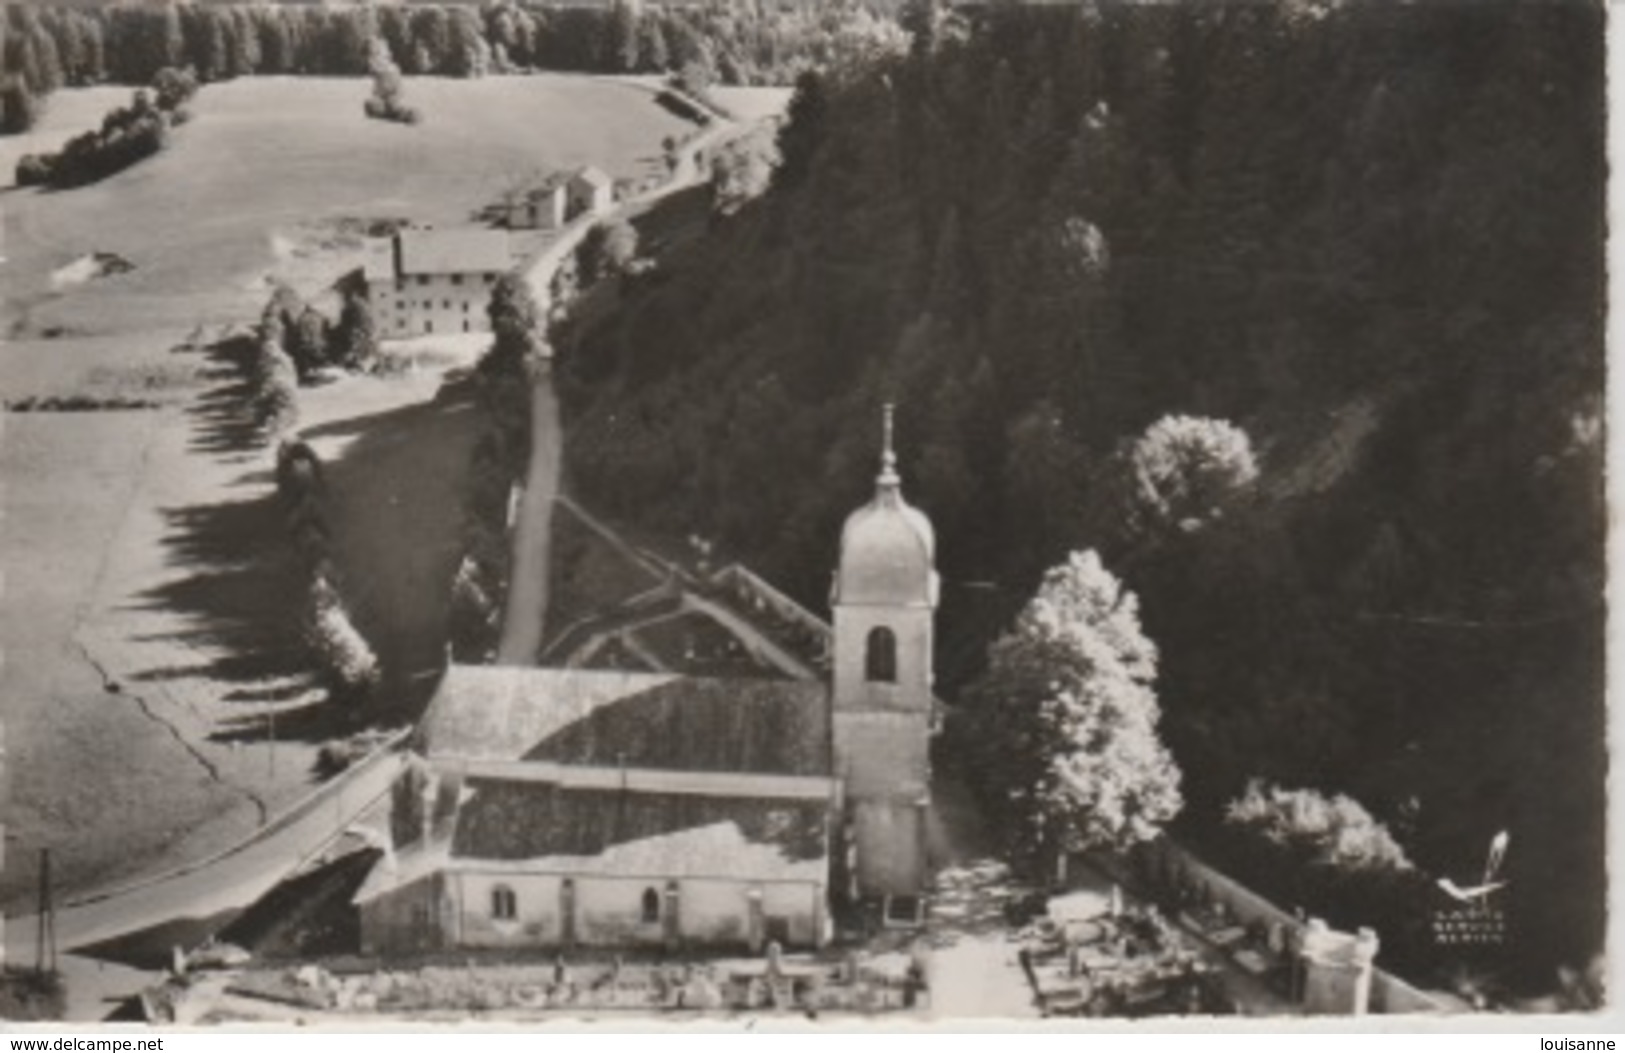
x=884 y=601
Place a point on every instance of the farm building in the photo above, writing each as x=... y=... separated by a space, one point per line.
x=541 y=207
x=424 y=280
x=558 y=807
x=589 y=192
x=559 y=199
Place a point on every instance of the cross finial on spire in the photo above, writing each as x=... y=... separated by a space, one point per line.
x=888 y=457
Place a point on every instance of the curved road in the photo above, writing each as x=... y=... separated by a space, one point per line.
x=218 y=886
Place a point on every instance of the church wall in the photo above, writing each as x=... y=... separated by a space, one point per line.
x=609 y=910
x=891 y=853
x=912 y=628
x=536 y=920
x=406 y=920
x=884 y=755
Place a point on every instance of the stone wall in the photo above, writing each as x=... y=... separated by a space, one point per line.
x=1388 y=993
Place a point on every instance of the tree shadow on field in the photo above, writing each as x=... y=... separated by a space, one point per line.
x=310 y=722
x=393 y=504
x=242 y=598
x=222 y=417
x=242 y=591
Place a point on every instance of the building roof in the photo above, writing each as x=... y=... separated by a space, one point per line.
x=468 y=250
x=636 y=720
x=612 y=832
x=592 y=176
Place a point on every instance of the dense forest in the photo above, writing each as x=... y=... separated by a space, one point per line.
x=1369 y=234
x=47 y=46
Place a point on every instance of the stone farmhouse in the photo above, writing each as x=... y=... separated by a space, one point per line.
x=425 y=280
x=589 y=192
x=559 y=199
x=539 y=208
x=565 y=807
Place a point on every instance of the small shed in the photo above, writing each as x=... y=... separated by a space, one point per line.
x=590 y=192
x=539 y=208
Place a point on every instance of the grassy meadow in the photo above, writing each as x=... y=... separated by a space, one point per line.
x=210 y=218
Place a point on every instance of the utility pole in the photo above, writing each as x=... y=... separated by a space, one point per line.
x=45 y=942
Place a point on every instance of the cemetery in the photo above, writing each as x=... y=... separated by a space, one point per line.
x=774 y=982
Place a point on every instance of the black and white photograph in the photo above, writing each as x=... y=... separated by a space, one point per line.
x=844 y=513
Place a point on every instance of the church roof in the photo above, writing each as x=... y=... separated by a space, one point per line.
x=674 y=835
x=634 y=720
x=888 y=548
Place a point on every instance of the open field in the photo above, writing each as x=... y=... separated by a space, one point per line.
x=150 y=625
x=752 y=104
x=208 y=219
x=91 y=775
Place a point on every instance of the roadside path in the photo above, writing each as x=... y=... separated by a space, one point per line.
x=526 y=610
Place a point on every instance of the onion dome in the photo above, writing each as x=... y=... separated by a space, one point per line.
x=888 y=549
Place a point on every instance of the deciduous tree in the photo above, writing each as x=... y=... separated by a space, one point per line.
x=1062 y=726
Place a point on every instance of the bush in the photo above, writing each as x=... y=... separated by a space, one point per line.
x=1329 y=856
x=173 y=87
x=385 y=102
x=126 y=135
x=342 y=652
x=276 y=410
x=35 y=169
x=1320 y=831
x=299 y=486
x=608 y=249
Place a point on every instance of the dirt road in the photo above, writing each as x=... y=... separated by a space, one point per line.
x=524 y=616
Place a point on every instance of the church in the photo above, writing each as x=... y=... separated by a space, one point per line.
x=560 y=807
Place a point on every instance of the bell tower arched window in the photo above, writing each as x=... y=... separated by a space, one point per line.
x=880 y=656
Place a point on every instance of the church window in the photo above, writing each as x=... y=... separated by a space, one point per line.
x=651 y=906
x=504 y=904
x=880 y=656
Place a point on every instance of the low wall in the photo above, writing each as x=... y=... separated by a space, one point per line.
x=1389 y=994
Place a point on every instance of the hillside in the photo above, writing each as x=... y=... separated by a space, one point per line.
x=269 y=165
x=1369 y=234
